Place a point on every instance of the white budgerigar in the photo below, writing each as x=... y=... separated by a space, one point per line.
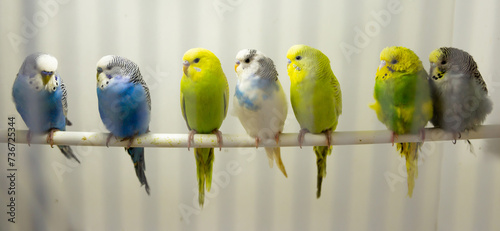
x=260 y=102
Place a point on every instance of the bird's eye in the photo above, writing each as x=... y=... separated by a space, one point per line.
x=247 y=60
x=443 y=62
x=196 y=60
x=394 y=61
x=298 y=57
x=99 y=69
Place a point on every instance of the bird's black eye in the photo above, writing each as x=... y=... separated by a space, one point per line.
x=247 y=60
x=298 y=57
x=99 y=69
x=196 y=60
x=443 y=62
x=394 y=61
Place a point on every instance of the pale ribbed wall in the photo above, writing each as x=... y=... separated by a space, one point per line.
x=455 y=190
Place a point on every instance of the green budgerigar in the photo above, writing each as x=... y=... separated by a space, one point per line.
x=403 y=101
x=316 y=99
x=204 y=103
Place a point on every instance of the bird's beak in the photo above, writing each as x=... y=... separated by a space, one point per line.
x=46 y=77
x=185 y=66
x=432 y=69
x=236 y=65
x=382 y=64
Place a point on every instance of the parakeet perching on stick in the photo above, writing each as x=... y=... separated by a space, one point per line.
x=204 y=104
x=260 y=102
x=403 y=101
x=459 y=94
x=40 y=97
x=316 y=99
x=124 y=105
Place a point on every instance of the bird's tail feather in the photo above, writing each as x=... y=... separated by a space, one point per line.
x=410 y=152
x=137 y=155
x=204 y=167
x=274 y=154
x=68 y=152
x=321 y=153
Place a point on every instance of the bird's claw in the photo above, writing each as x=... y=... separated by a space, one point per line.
x=394 y=135
x=50 y=137
x=257 y=140
x=328 y=134
x=277 y=137
x=191 y=138
x=301 y=136
x=108 y=139
x=219 y=138
x=28 y=138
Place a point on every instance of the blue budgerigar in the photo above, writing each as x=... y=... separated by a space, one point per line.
x=124 y=105
x=260 y=102
x=40 y=98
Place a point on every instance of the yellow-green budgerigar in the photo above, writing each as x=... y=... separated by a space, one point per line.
x=403 y=101
x=204 y=103
x=316 y=99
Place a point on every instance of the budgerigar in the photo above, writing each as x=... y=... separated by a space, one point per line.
x=124 y=105
x=403 y=101
x=260 y=102
x=459 y=94
x=204 y=103
x=316 y=99
x=40 y=97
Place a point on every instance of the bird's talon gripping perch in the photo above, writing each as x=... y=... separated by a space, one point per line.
x=191 y=138
x=301 y=136
x=50 y=137
x=28 y=138
x=328 y=134
x=108 y=139
x=257 y=140
x=277 y=137
x=219 y=138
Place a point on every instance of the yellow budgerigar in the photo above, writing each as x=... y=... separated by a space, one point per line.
x=204 y=103
x=403 y=101
x=316 y=99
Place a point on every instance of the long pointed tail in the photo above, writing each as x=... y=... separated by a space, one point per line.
x=410 y=152
x=137 y=155
x=321 y=153
x=274 y=154
x=204 y=164
x=68 y=152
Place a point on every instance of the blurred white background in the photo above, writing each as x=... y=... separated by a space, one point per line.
x=455 y=190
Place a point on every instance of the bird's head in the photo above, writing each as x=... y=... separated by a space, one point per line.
x=397 y=59
x=449 y=60
x=251 y=62
x=197 y=60
x=111 y=67
x=46 y=66
x=302 y=58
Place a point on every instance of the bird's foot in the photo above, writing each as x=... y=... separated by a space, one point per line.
x=328 y=134
x=422 y=134
x=302 y=132
x=219 y=137
x=50 y=136
x=257 y=140
x=191 y=137
x=28 y=137
x=277 y=137
x=393 y=136
x=108 y=139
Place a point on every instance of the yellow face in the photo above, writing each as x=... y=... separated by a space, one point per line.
x=397 y=59
x=303 y=61
x=437 y=69
x=196 y=60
